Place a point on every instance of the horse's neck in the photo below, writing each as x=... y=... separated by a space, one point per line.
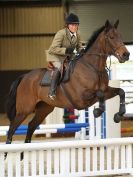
x=96 y=56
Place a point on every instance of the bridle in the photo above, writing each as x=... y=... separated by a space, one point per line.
x=112 y=47
x=107 y=54
x=107 y=41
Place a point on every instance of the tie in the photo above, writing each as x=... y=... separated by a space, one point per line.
x=72 y=38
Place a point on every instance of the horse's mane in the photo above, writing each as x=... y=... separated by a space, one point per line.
x=94 y=37
x=91 y=40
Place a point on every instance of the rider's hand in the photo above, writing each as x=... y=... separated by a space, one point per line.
x=69 y=50
x=82 y=50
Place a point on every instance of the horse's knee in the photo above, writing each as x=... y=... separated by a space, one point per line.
x=121 y=92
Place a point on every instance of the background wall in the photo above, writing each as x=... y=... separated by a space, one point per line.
x=26 y=31
x=94 y=13
x=25 y=34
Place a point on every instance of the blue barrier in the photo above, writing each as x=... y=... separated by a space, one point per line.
x=51 y=128
x=60 y=130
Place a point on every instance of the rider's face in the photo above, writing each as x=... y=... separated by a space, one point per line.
x=73 y=27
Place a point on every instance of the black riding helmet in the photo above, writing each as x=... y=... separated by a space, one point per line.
x=72 y=19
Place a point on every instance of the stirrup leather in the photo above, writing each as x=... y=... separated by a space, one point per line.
x=52 y=97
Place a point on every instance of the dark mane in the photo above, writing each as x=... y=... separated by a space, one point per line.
x=94 y=37
x=90 y=42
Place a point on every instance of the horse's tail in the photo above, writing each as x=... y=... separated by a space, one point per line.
x=11 y=99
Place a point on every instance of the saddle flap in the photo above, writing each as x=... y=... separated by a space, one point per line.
x=46 y=80
x=66 y=69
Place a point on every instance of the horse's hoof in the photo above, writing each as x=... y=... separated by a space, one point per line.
x=97 y=112
x=117 y=118
x=21 y=156
x=5 y=155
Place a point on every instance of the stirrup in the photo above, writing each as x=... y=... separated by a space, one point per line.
x=52 y=97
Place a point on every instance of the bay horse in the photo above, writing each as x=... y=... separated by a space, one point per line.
x=88 y=83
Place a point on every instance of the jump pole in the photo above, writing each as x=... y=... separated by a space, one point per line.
x=49 y=126
x=44 y=129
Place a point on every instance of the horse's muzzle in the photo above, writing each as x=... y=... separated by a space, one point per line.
x=125 y=56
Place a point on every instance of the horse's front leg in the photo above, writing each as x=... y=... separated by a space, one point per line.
x=112 y=92
x=101 y=98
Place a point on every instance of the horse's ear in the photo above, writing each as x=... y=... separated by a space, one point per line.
x=116 y=24
x=107 y=25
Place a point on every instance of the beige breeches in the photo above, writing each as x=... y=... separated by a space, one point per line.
x=57 y=64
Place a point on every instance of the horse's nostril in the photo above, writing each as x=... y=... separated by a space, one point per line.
x=126 y=55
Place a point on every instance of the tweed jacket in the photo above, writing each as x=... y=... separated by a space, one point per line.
x=61 y=41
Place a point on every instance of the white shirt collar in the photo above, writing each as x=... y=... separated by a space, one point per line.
x=73 y=34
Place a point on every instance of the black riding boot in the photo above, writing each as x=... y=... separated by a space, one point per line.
x=54 y=83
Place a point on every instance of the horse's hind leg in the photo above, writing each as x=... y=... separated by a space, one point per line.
x=42 y=110
x=14 y=124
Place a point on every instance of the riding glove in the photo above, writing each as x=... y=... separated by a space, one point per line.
x=69 y=51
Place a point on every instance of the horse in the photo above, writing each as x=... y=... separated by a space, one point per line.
x=88 y=84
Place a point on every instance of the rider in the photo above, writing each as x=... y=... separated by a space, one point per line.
x=64 y=43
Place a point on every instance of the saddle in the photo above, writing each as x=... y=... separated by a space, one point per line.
x=66 y=68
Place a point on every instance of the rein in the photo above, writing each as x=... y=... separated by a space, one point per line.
x=105 y=54
x=98 y=54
